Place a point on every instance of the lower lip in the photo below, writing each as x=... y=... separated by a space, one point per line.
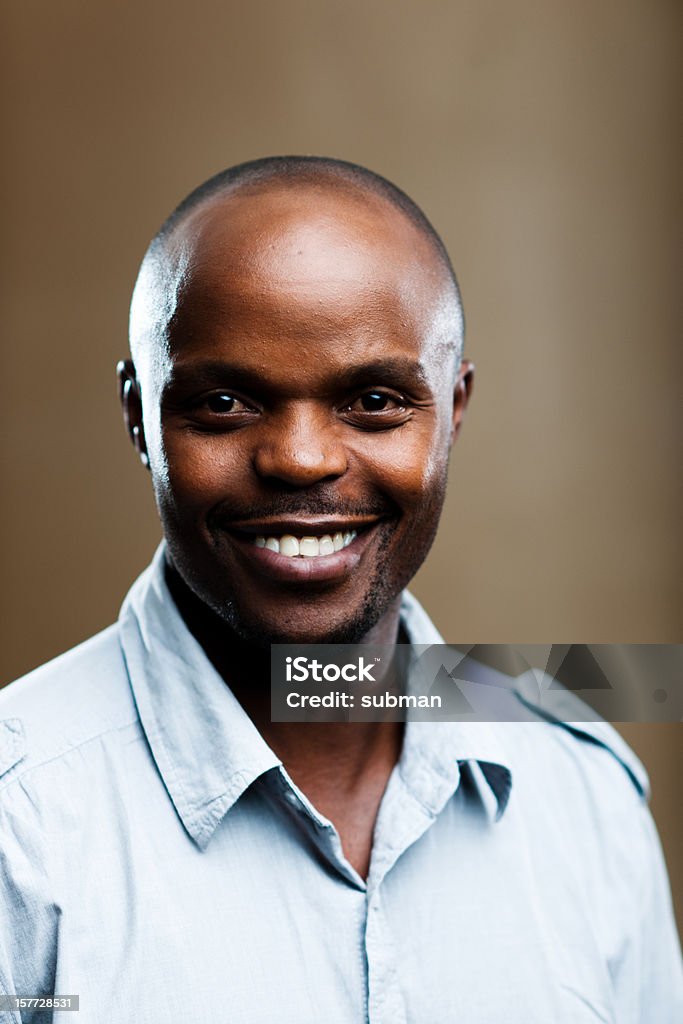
x=300 y=569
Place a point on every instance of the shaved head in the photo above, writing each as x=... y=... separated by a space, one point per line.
x=266 y=187
x=296 y=330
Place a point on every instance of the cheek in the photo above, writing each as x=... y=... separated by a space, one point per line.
x=195 y=470
x=409 y=464
x=192 y=472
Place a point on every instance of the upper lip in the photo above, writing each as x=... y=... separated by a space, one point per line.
x=300 y=527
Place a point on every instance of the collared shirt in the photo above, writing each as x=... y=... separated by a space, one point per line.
x=157 y=860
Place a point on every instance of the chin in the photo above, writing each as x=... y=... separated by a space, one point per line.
x=307 y=628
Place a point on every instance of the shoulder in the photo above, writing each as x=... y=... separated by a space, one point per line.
x=582 y=792
x=63 y=705
x=585 y=781
x=588 y=749
x=580 y=809
x=575 y=781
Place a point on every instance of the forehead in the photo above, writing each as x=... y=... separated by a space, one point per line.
x=307 y=261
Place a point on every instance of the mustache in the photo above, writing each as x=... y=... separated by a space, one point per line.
x=297 y=505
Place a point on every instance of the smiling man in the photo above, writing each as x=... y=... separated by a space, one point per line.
x=171 y=853
x=296 y=339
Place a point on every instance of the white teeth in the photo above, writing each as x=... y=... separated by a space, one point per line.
x=326 y=545
x=308 y=547
x=289 y=546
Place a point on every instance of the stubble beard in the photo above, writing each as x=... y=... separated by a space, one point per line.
x=382 y=590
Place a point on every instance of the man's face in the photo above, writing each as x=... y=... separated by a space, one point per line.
x=305 y=403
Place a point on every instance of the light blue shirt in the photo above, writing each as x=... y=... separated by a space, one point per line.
x=157 y=860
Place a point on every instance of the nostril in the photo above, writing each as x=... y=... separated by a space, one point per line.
x=300 y=466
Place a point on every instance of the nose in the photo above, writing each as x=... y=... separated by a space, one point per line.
x=300 y=448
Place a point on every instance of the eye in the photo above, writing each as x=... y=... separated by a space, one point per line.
x=218 y=411
x=377 y=401
x=223 y=402
x=374 y=401
x=377 y=409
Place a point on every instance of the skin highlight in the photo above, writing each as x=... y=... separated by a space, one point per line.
x=295 y=370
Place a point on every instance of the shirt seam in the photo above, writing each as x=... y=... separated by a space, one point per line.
x=63 y=753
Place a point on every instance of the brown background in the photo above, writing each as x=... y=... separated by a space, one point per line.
x=540 y=137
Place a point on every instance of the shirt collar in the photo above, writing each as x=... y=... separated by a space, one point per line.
x=438 y=744
x=207 y=749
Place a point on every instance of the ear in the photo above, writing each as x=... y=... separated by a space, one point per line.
x=131 y=403
x=461 y=395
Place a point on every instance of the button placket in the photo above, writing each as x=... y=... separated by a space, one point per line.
x=385 y=1000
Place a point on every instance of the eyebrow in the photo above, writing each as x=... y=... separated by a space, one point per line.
x=398 y=372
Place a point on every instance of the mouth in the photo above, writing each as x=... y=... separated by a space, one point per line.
x=322 y=550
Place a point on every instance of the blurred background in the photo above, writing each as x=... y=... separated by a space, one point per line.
x=542 y=140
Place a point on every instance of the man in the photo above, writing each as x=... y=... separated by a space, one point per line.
x=169 y=853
